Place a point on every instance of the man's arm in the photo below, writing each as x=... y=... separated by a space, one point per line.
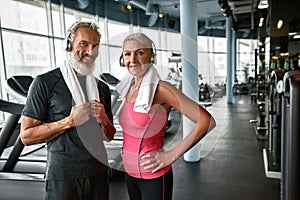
x=34 y=131
x=108 y=129
x=98 y=111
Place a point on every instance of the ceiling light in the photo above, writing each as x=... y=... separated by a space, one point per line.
x=160 y=15
x=279 y=24
x=285 y=54
x=263 y=4
x=261 y=20
x=128 y=6
x=297 y=37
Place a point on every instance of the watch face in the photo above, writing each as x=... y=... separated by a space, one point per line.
x=279 y=86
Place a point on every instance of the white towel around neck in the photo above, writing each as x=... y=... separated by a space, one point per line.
x=147 y=89
x=88 y=133
x=74 y=85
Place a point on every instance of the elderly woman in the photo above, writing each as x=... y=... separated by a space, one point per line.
x=144 y=116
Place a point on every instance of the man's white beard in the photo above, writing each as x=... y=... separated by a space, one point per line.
x=80 y=67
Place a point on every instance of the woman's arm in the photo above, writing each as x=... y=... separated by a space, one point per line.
x=203 y=120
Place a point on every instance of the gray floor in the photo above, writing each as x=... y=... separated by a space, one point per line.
x=231 y=165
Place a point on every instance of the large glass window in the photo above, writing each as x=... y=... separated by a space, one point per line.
x=57 y=26
x=25 y=54
x=202 y=43
x=60 y=53
x=173 y=41
x=245 y=59
x=103 y=58
x=28 y=17
x=101 y=25
x=73 y=15
x=219 y=44
x=117 y=32
x=212 y=59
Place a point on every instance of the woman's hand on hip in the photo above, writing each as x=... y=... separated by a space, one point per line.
x=157 y=160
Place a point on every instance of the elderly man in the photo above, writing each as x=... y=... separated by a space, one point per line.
x=71 y=110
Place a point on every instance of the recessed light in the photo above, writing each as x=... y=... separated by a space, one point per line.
x=279 y=24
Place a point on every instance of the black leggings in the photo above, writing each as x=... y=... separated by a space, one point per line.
x=160 y=188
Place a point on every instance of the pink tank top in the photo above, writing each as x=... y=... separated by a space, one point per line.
x=143 y=133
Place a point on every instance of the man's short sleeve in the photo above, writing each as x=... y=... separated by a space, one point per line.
x=37 y=100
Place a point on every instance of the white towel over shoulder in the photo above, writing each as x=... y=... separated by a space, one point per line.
x=146 y=92
x=74 y=85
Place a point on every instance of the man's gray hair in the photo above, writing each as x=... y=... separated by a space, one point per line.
x=79 y=24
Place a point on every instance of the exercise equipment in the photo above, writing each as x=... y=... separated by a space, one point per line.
x=204 y=95
x=18 y=86
x=290 y=140
x=261 y=126
x=275 y=118
x=14 y=156
x=111 y=81
x=240 y=89
x=272 y=153
x=114 y=147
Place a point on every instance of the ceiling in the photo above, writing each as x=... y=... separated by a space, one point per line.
x=212 y=14
x=211 y=19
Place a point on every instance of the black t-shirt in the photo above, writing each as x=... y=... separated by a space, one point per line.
x=50 y=100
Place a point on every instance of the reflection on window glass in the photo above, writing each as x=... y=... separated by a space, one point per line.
x=220 y=44
x=72 y=16
x=135 y=28
x=25 y=54
x=202 y=43
x=18 y=15
x=116 y=69
x=152 y=34
x=1 y=117
x=102 y=31
x=174 y=41
x=57 y=27
x=117 y=32
x=98 y=68
x=103 y=58
x=60 y=52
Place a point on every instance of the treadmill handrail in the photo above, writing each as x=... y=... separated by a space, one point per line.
x=18 y=86
x=10 y=107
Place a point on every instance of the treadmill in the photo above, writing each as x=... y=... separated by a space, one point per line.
x=115 y=145
x=22 y=167
x=15 y=157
